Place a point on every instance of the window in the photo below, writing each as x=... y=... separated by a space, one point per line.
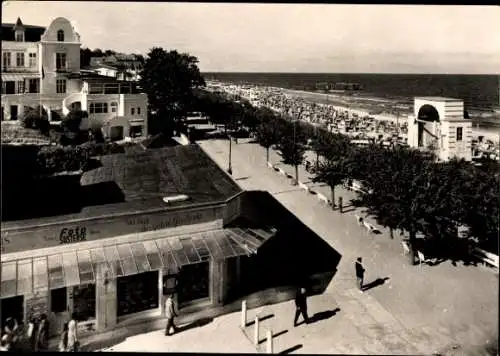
x=114 y=106
x=10 y=87
x=193 y=282
x=60 y=36
x=459 y=133
x=58 y=300
x=19 y=36
x=84 y=302
x=20 y=87
x=60 y=61
x=61 y=86
x=32 y=59
x=33 y=85
x=138 y=111
x=132 y=111
x=137 y=293
x=5 y=60
x=98 y=108
x=20 y=59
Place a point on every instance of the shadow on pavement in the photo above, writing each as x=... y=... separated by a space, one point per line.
x=195 y=324
x=375 y=283
x=269 y=316
x=327 y=314
x=291 y=349
x=282 y=332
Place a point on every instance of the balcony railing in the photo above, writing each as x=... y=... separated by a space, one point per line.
x=112 y=89
x=12 y=69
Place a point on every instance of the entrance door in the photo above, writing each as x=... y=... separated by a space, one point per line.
x=59 y=310
x=12 y=308
x=13 y=112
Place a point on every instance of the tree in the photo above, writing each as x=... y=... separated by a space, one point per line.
x=338 y=164
x=70 y=126
x=169 y=78
x=398 y=182
x=292 y=145
x=36 y=118
x=267 y=135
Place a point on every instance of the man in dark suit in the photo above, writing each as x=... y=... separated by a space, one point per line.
x=360 y=272
x=300 y=306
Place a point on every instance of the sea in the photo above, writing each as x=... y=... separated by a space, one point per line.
x=479 y=92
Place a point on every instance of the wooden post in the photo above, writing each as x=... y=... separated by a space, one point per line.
x=244 y=314
x=256 y=332
x=269 y=336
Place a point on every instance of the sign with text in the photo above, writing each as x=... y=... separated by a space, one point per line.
x=16 y=240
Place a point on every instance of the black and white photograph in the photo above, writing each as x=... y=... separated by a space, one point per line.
x=250 y=178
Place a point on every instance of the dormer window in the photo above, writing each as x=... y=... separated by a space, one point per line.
x=19 y=36
x=60 y=36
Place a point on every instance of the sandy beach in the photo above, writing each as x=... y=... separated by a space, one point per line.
x=336 y=101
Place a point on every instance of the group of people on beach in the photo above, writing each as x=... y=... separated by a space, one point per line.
x=34 y=335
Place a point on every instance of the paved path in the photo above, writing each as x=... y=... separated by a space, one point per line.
x=418 y=310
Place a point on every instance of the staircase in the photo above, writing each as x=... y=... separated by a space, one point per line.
x=69 y=100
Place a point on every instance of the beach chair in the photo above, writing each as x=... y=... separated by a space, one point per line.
x=359 y=218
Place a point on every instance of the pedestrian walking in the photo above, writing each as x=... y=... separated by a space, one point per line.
x=341 y=201
x=73 y=342
x=42 y=335
x=63 y=341
x=170 y=314
x=360 y=272
x=31 y=334
x=4 y=343
x=300 y=306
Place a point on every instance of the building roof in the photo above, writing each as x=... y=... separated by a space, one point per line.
x=31 y=33
x=437 y=98
x=138 y=181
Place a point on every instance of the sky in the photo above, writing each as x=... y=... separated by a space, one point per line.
x=322 y=38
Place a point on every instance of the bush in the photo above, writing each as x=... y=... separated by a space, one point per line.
x=36 y=118
x=55 y=159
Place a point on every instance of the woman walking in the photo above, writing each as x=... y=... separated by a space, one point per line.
x=72 y=334
x=63 y=342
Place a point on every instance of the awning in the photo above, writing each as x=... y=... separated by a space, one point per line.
x=18 y=77
x=19 y=277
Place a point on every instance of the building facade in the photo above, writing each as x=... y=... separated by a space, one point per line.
x=41 y=67
x=439 y=125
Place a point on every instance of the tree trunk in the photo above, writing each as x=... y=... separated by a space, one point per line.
x=391 y=231
x=332 y=188
x=413 y=248
x=297 y=174
x=267 y=154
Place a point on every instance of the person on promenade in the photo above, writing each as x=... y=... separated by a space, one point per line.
x=31 y=334
x=42 y=335
x=300 y=306
x=63 y=342
x=170 y=314
x=73 y=342
x=360 y=272
x=341 y=201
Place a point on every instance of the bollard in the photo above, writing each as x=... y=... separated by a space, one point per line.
x=269 y=336
x=244 y=314
x=256 y=331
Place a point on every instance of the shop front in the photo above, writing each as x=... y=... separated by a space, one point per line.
x=123 y=279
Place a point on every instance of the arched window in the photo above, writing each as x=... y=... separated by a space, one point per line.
x=60 y=36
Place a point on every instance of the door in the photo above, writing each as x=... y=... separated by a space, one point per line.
x=59 y=310
x=13 y=112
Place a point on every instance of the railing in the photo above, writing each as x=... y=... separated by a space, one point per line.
x=12 y=69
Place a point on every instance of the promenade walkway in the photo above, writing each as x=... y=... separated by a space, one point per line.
x=427 y=309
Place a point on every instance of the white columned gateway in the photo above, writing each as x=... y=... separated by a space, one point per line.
x=439 y=124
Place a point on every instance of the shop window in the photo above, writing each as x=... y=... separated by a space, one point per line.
x=135 y=131
x=84 y=299
x=194 y=282
x=12 y=308
x=137 y=293
x=58 y=300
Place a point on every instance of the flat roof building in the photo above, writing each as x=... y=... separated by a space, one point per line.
x=169 y=220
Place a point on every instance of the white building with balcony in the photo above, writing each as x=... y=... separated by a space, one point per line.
x=41 y=66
